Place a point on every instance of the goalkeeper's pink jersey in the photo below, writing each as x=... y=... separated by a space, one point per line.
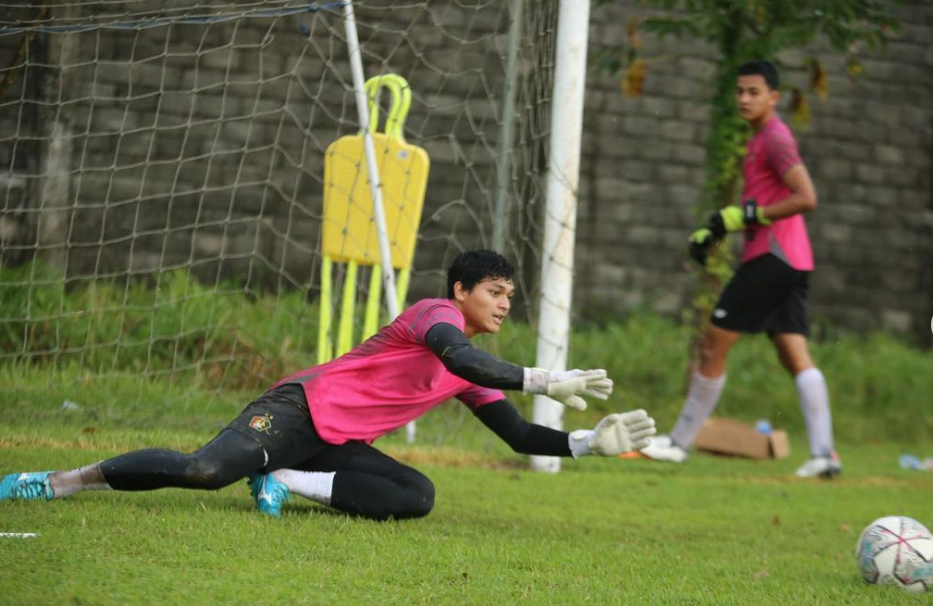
x=388 y=380
x=771 y=153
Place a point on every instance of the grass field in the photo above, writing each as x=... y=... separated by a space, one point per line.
x=714 y=531
x=174 y=365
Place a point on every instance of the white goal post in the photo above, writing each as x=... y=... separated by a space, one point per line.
x=560 y=219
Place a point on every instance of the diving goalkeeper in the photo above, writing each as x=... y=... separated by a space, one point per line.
x=311 y=434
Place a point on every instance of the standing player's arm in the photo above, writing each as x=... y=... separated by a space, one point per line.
x=458 y=355
x=733 y=218
x=801 y=200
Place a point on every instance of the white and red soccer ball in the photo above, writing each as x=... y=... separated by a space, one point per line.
x=896 y=550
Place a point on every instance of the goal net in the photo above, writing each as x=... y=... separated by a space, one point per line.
x=162 y=178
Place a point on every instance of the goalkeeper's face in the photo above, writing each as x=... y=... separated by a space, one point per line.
x=485 y=306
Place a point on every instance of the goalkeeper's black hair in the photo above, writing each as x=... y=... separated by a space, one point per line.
x=762 y=68
x=473 y=266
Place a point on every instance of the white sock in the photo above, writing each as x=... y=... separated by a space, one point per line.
x=814 y=402
x=314 y=485
x=701 y=400
x=66 y=483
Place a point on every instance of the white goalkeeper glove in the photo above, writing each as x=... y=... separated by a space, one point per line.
x=566 y=386
x=614 y=435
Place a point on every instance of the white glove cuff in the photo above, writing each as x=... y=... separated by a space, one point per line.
x=579 y=442
x=535 y=381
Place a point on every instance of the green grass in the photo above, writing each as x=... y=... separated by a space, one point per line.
x=879 y=386
x=170 y=366
x=178 y=348
x=714 y=531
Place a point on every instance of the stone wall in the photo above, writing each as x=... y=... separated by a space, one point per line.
x=128 y=152
x=868 y=148
x=208 y=152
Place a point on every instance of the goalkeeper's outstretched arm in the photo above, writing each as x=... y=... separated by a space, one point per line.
x=459 y=356
x=523 y=437
x=614 y=435
x=469 y=363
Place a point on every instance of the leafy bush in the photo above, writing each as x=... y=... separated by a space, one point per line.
x=176 y=326
x=224 y=338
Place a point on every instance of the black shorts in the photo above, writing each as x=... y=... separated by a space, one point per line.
x=765 y=295
x=279 y=420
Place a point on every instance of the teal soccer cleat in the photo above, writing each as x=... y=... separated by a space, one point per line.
x=270 y=494
x=26 y=487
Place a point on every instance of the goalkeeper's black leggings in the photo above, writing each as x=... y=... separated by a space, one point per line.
x=273 y=433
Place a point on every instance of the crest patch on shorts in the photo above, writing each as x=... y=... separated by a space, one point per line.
x=261 y=423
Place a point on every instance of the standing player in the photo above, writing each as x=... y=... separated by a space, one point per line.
x=769 y=290
x=311 y=433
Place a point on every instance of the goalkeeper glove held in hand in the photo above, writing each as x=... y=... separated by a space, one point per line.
x=700 y=242
x=727 y=220
x=720 y=223
x=733 y=218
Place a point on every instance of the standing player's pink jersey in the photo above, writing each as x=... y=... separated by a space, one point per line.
x=771 y=153
x=387 y=381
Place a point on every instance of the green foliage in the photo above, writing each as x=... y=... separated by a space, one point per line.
x=148 y=351
x=768 y=26
x=176 y=326
x=878 y=385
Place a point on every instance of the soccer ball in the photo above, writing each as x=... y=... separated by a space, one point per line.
x=896 y=550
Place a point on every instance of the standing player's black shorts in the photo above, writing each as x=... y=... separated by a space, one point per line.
x=765 y=295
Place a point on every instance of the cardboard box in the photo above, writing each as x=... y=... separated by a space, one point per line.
x=725 y=436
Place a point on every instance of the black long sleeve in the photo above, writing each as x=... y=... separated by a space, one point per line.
x=467 y=362
x=524 y=437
